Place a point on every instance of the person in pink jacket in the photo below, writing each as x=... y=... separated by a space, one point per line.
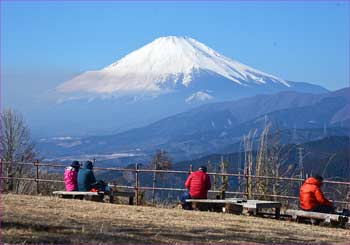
x=71 y=176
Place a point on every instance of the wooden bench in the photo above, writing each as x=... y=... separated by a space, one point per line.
x=254 y=206
x=215 y=205
x=95 y=196
x=82 y=195
x=300 y=215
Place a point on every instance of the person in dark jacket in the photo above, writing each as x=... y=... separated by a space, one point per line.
x=86 y=178
x=312 y=198
x=88 y=182
x=198 y=184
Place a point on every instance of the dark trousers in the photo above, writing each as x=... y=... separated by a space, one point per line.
x=102 y=186
x=186 y=205
x=323 y=209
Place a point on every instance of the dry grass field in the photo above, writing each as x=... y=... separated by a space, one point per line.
x=50 y=220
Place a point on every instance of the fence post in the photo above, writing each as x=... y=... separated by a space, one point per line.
x=154 y=183
x=36 y=164
x=215 y=178
x=137 y=183
x=190 y=169
x=1 y=180
x=246 y=176
x=9 y=181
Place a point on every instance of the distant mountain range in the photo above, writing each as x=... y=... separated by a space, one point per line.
x=219 y=127
x=167 y=76
x=317 y=158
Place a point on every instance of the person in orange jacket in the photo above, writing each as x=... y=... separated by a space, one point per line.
x=312 y=198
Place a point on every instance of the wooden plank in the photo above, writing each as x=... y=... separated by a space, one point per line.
x=236 y=200
x=92 y=196
x=268 y=205
x=89 y=193
x=75 y=193
x=250 y=204
x=209 y=201
x=315 y=215
x=261 y=204
x=254 y=206
x=216 y=205
x=264 y=203
x=99 y=195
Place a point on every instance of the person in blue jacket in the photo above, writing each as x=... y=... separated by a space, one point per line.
x=87 y=180
x=86 y=177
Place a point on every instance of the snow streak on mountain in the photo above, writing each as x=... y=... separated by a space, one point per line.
x=164 y=65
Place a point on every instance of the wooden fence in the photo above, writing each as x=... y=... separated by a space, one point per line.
x=137 y=187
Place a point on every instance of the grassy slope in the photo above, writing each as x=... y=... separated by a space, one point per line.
x=33 y=219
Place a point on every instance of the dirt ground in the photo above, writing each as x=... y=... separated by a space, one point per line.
x=50 y=220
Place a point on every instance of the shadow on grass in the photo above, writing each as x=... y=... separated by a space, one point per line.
x=128 y=234
x=30 y=233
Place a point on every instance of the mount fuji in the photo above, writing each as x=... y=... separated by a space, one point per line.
x=164 y=65
x=167 y=76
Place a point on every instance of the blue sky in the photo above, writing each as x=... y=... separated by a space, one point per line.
x=46 y=43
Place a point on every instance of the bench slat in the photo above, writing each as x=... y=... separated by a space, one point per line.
x=316 y=215
x=216 y=205
x=209 y=201
x=88 y=194
x=254 y=205
x=76 y=193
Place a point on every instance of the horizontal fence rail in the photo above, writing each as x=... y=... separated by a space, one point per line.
x=137 y=188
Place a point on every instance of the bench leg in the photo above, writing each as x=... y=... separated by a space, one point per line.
x=200 y=206
x=131 y=200
x=252 y=211
x=217 y=208
x=193 y=205
x=277 y=213
x=234 y=209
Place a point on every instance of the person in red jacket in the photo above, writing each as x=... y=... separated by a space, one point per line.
x=312 y=198
x=198 y=184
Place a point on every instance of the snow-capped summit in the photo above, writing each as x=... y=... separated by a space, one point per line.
x=163 y=65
